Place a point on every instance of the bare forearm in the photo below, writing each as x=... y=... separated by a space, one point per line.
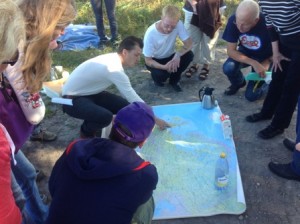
x=240 y=57
x=187 y=46
x=154 y=64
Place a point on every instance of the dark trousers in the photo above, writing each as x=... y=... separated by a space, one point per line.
x=110 y=5
x=284 y=90
x=160 y=76
x=96 y=110
x=296 y=155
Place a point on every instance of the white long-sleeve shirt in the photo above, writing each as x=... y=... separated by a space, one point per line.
x=97 y=74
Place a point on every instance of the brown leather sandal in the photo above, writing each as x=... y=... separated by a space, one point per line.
x=203 y=74
x=194 y=68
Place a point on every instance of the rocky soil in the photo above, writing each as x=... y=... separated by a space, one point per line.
x=269 y=198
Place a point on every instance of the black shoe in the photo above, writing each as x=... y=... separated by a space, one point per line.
x=160 y=84
x=269 y=132
x=284 y=171
x=176 y=87
x=103 y=42
x=256 y=117
x=231 y=90
x=115 y=41
x=289 y=144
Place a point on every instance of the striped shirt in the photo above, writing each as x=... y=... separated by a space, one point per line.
x=284 y=16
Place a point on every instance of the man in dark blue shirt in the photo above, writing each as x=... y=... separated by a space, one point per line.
x=248 y=44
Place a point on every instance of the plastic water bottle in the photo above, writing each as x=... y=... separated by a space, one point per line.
x=222 y=172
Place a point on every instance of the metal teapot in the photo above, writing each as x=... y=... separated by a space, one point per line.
x=207 y=98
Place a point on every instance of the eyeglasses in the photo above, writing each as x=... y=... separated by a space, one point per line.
x=168 y=26
x=12 y=61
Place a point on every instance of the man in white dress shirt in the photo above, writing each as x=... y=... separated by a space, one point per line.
x=87 y=84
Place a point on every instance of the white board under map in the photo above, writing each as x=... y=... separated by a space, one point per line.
x=185 y=157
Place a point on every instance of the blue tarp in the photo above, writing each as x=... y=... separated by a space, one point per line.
x=79 y=37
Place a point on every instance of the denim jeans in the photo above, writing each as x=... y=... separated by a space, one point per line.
x=255 y=90
x=232 y=68
x=110 y=5
x=25 y=176
x=96 y=110
x=159 y=75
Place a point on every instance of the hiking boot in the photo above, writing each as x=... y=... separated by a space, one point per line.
x=176 y=87
x=284 y=171
x=256 y=117
x=43 y=136
x=289 y=144
x=269 y=132
x=231 y=90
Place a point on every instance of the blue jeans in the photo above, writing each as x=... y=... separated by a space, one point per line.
x=96 y=110
x=25 y=176
x=255 y=91
x=232 y=69
x=110 y=5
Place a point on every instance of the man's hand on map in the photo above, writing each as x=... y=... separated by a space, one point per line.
x=161 y=123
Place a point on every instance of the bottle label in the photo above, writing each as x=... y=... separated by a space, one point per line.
x=222 y=181
x=226 y=126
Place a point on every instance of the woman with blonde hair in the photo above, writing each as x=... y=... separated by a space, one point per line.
x=11 y=32
x=12 y=29
x=45 y=20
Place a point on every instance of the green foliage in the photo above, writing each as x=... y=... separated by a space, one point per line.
x=71 y=59
x=133 y=18
x=85 y=12
x=230 y=7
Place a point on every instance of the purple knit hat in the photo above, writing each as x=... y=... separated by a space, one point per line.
x=138 y=118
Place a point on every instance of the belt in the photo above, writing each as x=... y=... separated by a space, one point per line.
x=69 y=97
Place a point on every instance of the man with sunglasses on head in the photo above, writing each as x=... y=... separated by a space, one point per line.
x=159 y=48
x=248 y=44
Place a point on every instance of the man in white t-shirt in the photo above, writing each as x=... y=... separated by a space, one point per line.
x=159 y=48
x=87 y=84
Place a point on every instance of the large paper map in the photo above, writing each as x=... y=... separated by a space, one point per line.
x=185 y=157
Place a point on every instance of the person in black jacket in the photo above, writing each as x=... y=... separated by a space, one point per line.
x=284 y=29
x=104 y=180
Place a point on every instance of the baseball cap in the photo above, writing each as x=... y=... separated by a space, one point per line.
x=138 y=118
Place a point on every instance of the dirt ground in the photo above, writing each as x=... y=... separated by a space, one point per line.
x=269 y=199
